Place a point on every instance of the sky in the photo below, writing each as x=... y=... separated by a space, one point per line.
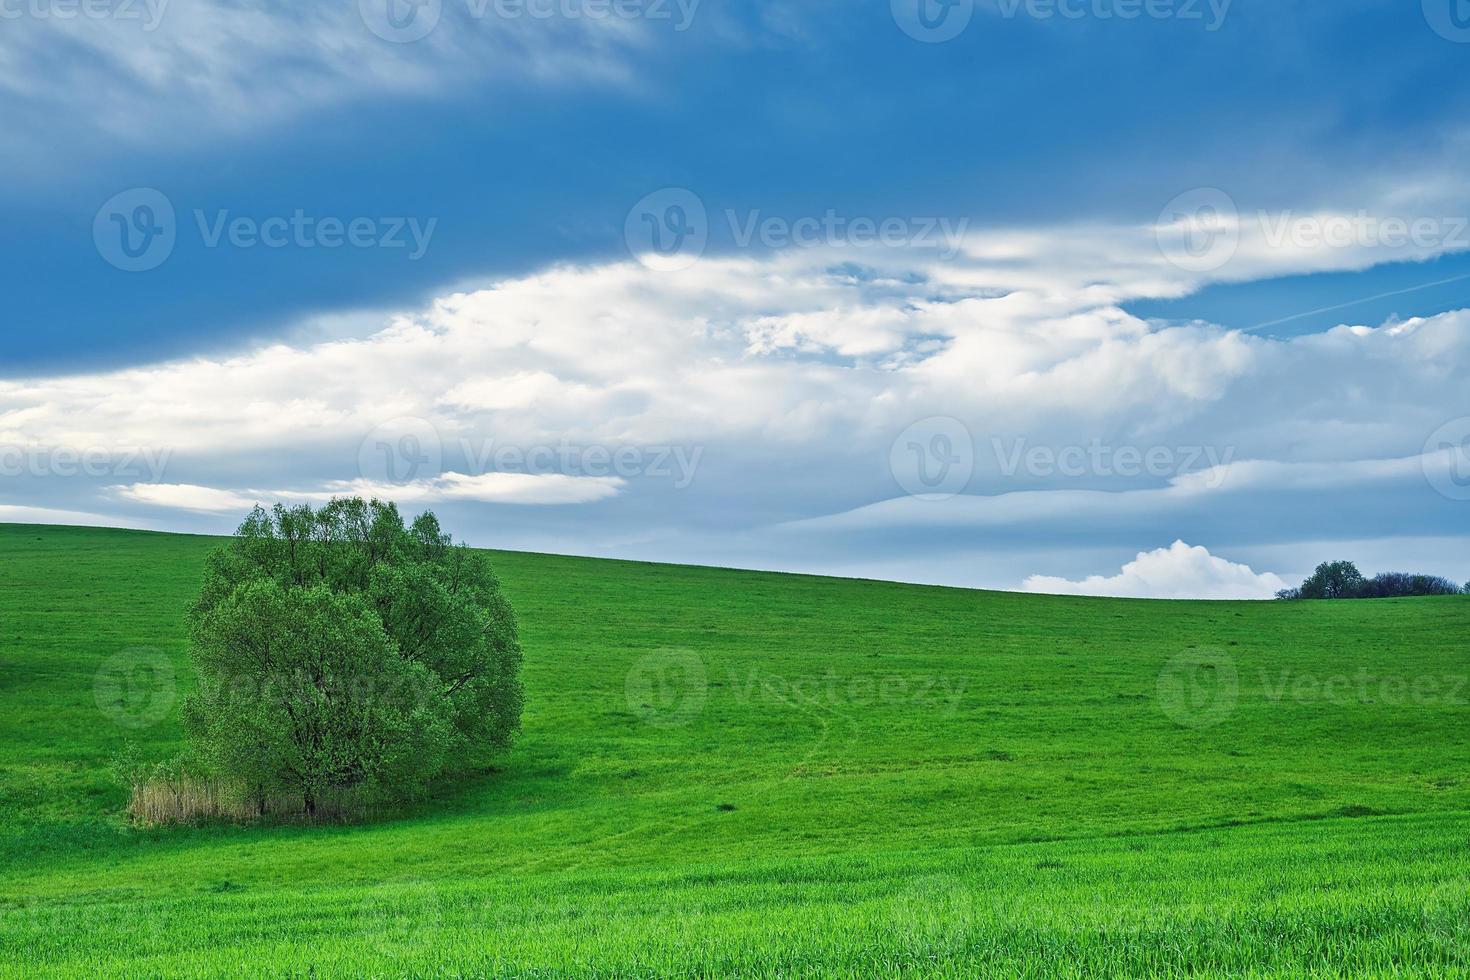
x=1164 y=298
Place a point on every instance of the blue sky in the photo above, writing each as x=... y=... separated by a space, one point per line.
x=503 y=169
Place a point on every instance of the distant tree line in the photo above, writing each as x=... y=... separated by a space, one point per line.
x=1342 y=580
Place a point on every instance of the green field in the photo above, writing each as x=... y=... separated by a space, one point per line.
x=727 y=772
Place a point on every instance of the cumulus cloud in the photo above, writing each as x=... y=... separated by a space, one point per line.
x=794 y=373
x=1179 y=571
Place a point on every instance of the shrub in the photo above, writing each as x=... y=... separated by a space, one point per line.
x=1391 y=584
x=343 y=655
x=1342 y=580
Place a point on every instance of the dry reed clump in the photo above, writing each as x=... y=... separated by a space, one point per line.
x=167 y=800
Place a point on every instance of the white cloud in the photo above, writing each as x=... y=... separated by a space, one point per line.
x=1210 y=486
x=186 y=496
x=232 y=66
x=795 y=373
x=489 y=488
x=535 y=489
x=1176 y=572
x=16 y=514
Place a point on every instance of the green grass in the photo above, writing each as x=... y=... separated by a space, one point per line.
x=868 y=779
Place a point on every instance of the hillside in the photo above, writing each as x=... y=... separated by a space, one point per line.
x=727 y=771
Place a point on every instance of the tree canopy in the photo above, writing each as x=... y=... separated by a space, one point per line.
x=340 y=650
x=1342 y=580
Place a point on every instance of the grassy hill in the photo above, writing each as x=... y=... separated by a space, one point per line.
x=734 y=772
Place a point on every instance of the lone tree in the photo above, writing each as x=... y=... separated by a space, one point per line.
x=342 y=653
x=1333 y=580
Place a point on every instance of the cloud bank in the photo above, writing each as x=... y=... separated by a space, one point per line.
x=791 y=379
x=1179 y=571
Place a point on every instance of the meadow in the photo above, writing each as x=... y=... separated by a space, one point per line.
x=739 y=773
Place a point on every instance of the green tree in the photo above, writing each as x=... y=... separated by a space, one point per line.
x=1333 y=580
x=339 y=650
